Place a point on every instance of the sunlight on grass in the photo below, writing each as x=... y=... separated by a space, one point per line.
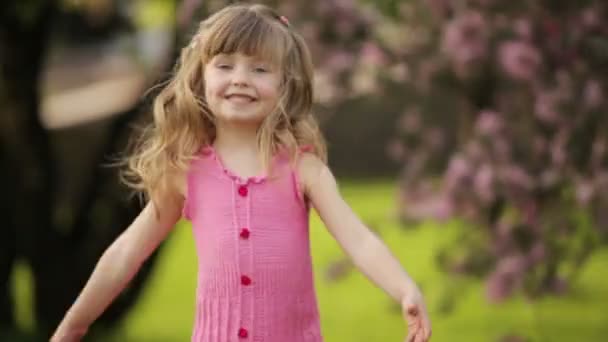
x=22 y=283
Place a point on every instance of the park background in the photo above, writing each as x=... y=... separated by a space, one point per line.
x=471 y=135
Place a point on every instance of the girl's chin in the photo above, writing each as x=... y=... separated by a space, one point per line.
x=248 y=120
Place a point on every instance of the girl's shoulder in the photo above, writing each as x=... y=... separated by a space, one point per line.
x=309 y=167
x=177 y=181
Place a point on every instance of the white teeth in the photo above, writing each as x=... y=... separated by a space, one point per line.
x=240 y=98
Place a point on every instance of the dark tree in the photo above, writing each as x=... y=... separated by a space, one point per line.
x=60 y=246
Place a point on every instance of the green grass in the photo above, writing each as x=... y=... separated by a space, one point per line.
x=354 y=310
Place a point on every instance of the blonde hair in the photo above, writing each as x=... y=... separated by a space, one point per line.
x=183 y=122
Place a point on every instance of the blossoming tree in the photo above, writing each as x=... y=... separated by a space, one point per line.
x=509 y=131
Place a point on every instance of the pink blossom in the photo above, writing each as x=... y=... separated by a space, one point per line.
x=344 y=5
x=590 y=18
x=504 y=229
x=458 y=170
x=512 y=264
x=558 y=154
x=537 y=253
x=545 y=108
x=400 y=72
x=501 y=148
x=489 y=123
x=474 y=150
x=530 y=214
x=340 y=61
x=434 y=137
x=584 y=191
x=483 y=183
x=438 y=206
x=497 y=287
x=427 y=69
x=519 y=60
x=324 y=7
x=515 y=175
x=523 y=28
x=344 y=26
x=395 y=150
x=506 y=277
x=372 y=54
x=464 y=40
x=440 y=8
x=593 y=94
x=442 y=208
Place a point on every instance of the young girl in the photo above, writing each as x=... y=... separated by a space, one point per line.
x=234 y=148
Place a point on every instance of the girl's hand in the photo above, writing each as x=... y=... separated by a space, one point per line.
x=414 y=311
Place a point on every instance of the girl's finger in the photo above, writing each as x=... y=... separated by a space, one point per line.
x=416 y=333
x=413 y=332
x=412 y=337
x=419 y=337
x=427 y=333
x=426 y=326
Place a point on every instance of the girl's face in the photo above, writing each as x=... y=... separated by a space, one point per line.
x=241 y=88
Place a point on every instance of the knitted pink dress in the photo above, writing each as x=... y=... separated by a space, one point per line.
x=255 y=279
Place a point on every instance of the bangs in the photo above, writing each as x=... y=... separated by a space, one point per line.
x=247 y=32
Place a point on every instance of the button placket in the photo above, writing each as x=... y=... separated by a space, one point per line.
x=246 y=281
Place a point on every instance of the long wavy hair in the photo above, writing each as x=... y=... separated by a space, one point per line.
x=183 y=122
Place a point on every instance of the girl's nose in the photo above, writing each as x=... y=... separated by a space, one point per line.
x=240 y=77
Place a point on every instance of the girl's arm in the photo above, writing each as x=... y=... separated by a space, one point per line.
x=117 y=266
x=366 y=250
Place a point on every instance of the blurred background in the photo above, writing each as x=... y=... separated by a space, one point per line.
x=471 y=135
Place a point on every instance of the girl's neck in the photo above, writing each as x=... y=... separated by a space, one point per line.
x=239 y=138
x=237 y=149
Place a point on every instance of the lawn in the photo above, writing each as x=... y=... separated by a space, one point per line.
x=354 y=310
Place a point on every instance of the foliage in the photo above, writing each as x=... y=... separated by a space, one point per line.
x=509 y=132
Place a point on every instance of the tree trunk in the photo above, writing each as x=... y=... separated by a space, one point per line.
x=61 y=255
x=24 y=146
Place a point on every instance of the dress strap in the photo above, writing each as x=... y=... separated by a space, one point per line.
x=190 y=179
x=299 y=189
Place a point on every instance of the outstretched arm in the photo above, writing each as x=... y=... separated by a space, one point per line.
x=364 y=247
x=116 y=267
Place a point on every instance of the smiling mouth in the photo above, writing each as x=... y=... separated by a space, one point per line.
x=240 y=98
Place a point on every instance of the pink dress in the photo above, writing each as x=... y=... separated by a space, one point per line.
x=255 y=278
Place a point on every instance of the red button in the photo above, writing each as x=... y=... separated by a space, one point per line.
x=245 y=233
x=243 y=333
x=243 y=190
x=245 y=280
